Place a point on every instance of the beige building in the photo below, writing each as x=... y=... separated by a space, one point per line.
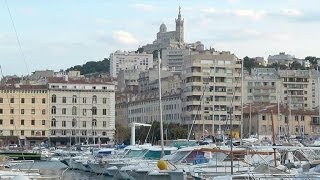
x=294 y=122
x=24 y=115
x=262 y=86
x=211 y=88
x=82 y=110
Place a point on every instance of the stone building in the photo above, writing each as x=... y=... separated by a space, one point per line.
x=129 y=60
x=288 y=122
x=24 y=115
x=82 y=110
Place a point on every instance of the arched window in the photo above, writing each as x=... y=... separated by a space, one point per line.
x=53 y=122
x=54 y=98
x=94 y=123
x=94 y=110
x=94 y=99
x=74 y=99
x=53 y=110
x=74 y=123
x=74 y=110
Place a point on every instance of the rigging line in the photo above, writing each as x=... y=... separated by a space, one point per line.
x=17 y=37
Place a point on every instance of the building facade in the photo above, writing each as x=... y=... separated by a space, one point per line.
x=129 y=60
x=288 y=122
x=211 y=91
x=24 y=115
x=81 y=110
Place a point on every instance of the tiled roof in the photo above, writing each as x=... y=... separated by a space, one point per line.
x=78 y=81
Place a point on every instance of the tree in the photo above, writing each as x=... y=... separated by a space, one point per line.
x=296 y=65
x=93 y=67
x=313 y=61
x=249 y=63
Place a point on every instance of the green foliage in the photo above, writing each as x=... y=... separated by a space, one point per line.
x=249 y=63
x=296 y=65
x=313 y=61
x=174 y=131
x=93 y=67
x=278 y=66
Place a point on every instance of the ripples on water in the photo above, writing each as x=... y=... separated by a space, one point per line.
x=55 y=168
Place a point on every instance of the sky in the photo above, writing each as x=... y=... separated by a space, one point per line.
x=60 y=34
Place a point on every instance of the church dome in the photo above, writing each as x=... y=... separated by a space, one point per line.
x=163 y=28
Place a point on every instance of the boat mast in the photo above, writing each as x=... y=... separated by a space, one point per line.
x=273 y=141
x=241 y=121
x=160 y=105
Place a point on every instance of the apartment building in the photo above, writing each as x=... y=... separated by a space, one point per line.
x=211 y=91
x=262 y=86
x=129 y=60
x=288 y=122
x=24 y=115
x=297 y=88
x=82 y=110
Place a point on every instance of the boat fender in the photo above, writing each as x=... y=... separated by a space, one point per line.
x=162 y=165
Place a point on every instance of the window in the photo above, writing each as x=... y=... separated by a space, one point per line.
x=74 y=110
x=32 y=133
x=1 y=100
x=33 y=122
x=84 y=100
x=22 y=111
x=43 y=133
x=84 y=112
x=64 y=100
x=11 y=100
x=296 y=118
x=22 y=122
x=53 y=98
x=43 y=100
x=73 y=132
x=74 y=99
x=22 y=132
x=53 y=132
x=84 y=124
x=74 y=123
x=43 y=111
x=94 y=99
x=263 y=117
x=11 y=121
x=64 y=111
x=64 y=123
x=33 y=100
x=63 y=132
x=11 y=133
x=53 y=110
x=94 y=110
x=302 y=118
x=33 y=111
x=53 y=122
x=94 y=123
x=104 y=112
x=43 y=122
x=104 y=123
x=104 y=100
x=22 y=100
x=1 y=111
x=11 y=111
x=1 y=121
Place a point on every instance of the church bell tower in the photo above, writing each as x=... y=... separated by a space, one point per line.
x=179 y=28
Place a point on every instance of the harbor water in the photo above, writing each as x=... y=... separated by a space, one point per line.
x=56 y=168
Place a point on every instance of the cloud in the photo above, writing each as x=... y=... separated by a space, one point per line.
x=124 y=37
x=247 y=13
x=143 y=7
x=209 y=10
x=28 y=11
x=291 y=12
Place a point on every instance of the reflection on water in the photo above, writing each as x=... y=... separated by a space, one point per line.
x=55 y=168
